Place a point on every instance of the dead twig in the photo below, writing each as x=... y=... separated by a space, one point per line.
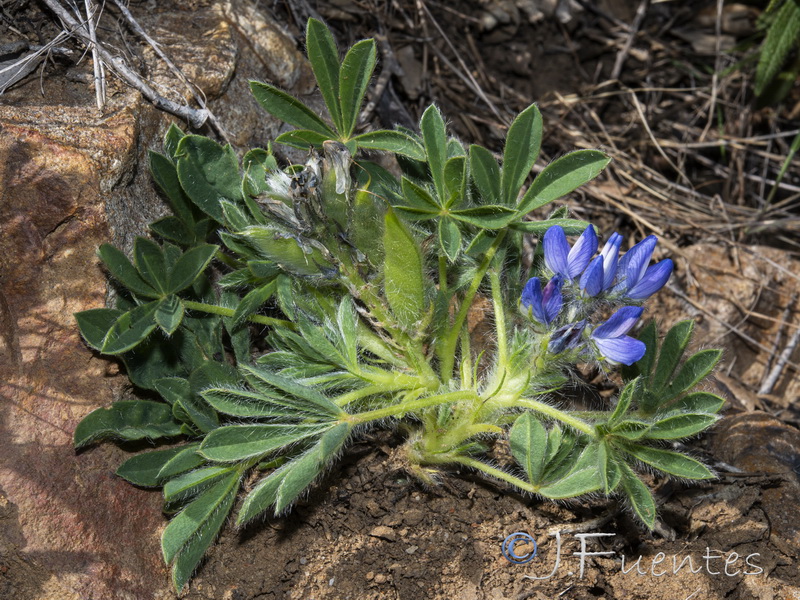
x=771 y=379
x=199 y=98
x=196 y=118
x=622 y=55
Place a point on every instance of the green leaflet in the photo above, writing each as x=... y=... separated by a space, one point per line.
x=354 y=76
x=324 y=58
x=640 y=497
x=522 y=146
x=191 y=532
x=143 y=469
x=283 y=486
x=528 y=439
x=562 y=176
x=391 y=141
x=123 y=271
x=208 y=172
x=286 y=108
x=402 y=272
x=127 y=420
x=192 y=483
x=485 y=173
x=670 y=462
x=234 y=443
x=434 y=136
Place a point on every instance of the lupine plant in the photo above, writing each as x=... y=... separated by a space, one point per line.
x=287 y=309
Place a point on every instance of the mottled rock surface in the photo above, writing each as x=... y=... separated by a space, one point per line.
x=71 y=179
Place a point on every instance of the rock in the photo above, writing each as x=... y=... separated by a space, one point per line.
x=72 y=179
x=759 y=443
x=383 y=532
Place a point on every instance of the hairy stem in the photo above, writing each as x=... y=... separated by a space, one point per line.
x=229 y=312
x=411 y=406
x=557 y=414
x=447 y=353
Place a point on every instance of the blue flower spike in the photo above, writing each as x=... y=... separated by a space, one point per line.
x=638 y=280
x=611 y=339
x=543 y=304
x=563 y=260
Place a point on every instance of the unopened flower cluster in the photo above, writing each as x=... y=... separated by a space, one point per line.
x=582 y=286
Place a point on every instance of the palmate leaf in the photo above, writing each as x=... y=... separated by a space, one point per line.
x=188 y=536
x=127 y=420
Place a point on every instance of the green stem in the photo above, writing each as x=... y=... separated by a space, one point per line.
x=365 y=392
x=448 y=348
x=555 y=413
x=413 y=405
x=499 y=321
x=494 y=472
x=229 y=312
x=442 y=274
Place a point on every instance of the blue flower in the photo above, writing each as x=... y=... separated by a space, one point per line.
x=593 y=277
x=563 y=260
x=635 y=278
x=544 y=304
x=611 y=339
x=610 y=256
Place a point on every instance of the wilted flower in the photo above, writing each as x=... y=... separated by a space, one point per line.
x=543 y=304
x=566 y=337
x=611 y=339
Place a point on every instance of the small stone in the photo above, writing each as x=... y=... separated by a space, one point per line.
x=384 y=533
x=370 y=576
x=380 y=578
x=411 y=549
x=303 y=561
